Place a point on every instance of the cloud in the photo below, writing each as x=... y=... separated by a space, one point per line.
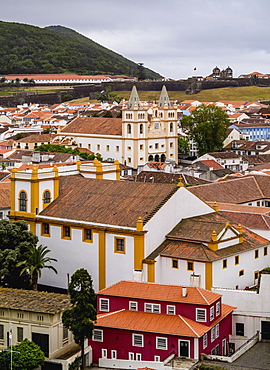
x=170 y=37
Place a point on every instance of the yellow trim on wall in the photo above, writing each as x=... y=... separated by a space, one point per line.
x=12 y=191
x=208 y=275
x=84 y=235
x=26 y=201
x=188 y=269
x=55 y=183
x=101 y=259
x=34 y=190
x=64 y=236
x=138 y=252
x=151 y=272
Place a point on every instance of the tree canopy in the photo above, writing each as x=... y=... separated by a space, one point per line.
x=26 y=356
x=35 y=260
x=207 y=126
x=62 y=149
x=15 y=240
x=79 y=319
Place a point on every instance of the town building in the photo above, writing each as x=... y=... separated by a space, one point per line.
x=142 y=322
x=143 y=134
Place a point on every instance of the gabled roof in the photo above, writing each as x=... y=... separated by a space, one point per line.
x=240 y=190
x=211 y=164
x=139 y=321
x=94 y=125
x=108 y=202
x=160 y=292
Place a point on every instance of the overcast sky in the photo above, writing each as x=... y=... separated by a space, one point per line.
x=171 y=37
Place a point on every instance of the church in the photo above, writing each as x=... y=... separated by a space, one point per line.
x=143 y=134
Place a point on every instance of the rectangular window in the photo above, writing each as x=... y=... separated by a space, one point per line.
x=45 y=229
x=133 y=306
x=256 y=253
x=156 y=145
x=217 y=331
x=241 y=272
x=190 y=266
x=217 y=308
x=129 y=160
x=107 y=148
x=256 y=275
x=151 y=307
x=201 y=314
x=98 y=147
x=87 y=235
x=211 y=313
x=97 y=335
x=119 y=245
x=104 y=304
x=66 y=232
x=1 y=332
x=239 y=329
x=157 y=358
x=131 y=356
x=89 y=146
x=137 y=340
x=104 y=353
x=224 y=264
x=171 y=145
x=161 y=343
x=205 y=341
x=19 y=334
x=65 y=335
x=117 y=148
x=265 y=251
x=141 y=146
x=138 y=357
x=170 y=310
x=175 y=264
x=213 y=334
x=236 y=260
x=113 y=354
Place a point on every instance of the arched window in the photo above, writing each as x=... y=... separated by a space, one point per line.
x=129 y=129
x=150 y=158
x=47 y=197
x=163 y=158
x=141 y=129
x=156 y=158
x=171 y=127
x=23 y=201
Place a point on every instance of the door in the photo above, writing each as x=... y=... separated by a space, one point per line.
x=184 y=348
x=265 y=327
x=42 y=340
x=224 y=347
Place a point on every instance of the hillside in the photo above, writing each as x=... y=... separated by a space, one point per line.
x=56 y=49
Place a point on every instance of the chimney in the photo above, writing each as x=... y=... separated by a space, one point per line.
x=184 y=291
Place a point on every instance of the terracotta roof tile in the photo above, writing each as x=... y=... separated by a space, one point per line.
x=108 y=201
x=160 y=292
x=94 y=125
x=5 y=195
x=157 y=323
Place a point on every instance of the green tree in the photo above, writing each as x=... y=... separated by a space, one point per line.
x=183 y=145
x=207 y=126
x=79 y=319
x=15 y=239
x=26 y=356
x=35 y=260
x=108 y=114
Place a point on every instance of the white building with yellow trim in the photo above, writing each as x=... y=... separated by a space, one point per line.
x=142 y=135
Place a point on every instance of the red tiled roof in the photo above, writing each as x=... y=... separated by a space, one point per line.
x=157 y=323
x=94 y=125
x=212 y=164
x=160 y=292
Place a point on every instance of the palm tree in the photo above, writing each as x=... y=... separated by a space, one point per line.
x=35 y=261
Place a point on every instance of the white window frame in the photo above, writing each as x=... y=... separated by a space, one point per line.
x=152 y=307
x=213 y=334
x=103 y=301
x=94 y=338
x=212 y=313
x=157 y=358
x=134 y=304
x=205 y=342
x=138 y=357
x=198 y=310
x=170 y=309
x=131 y=356
x=217 y=331
x=218 y=308
x=113 y=354
x=104 y=353
x=134 y=340
x=163 y=346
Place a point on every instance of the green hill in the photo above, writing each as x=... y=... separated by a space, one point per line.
x=27 y=49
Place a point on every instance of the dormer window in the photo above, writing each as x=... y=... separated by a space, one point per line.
x=47 y=197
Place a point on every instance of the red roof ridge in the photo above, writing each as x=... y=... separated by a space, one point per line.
x=199 y=290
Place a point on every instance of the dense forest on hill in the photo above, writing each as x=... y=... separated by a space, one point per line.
x=27 y=49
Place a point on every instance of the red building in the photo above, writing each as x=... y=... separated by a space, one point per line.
x=152 y=322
